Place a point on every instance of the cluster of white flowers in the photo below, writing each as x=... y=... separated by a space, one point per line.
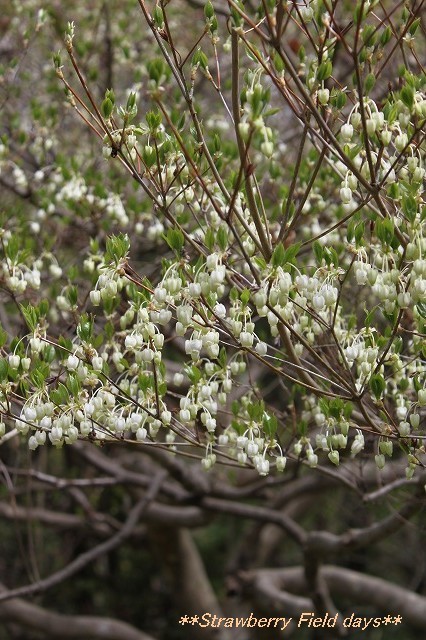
x=20 y=269
x=297 y=301
x=40 y=417
x=136 y=405
x=231 y=302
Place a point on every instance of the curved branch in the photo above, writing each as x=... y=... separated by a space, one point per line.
x=385 y=596
x=156 y=512
x=266 y=587
x=278 y=586
x=56 y=518
x=108 y=465
x=89 y=556
x=55 y=625
x=324 y=542
x=254 y=512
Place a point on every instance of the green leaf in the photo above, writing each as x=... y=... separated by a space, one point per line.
x=157 y=14
x=369 y=82
x=209 y=10
x=98 y=341
x=4 y=367
x=222 y=238
x=85 y=328
x=331 y=256
x=270 y=425
x=43 y=308
x=256 y=411
x=245 y=296
x=278 y=62
x=338 y=99
x=107 y=108
x=359 y=232
x=368 y=34
x=12 y=248
x=324 y=70
x=385 y=230
x=407 y=96
x=386 y=36
x=291 y=252
x=200 y=59
x=57 y=60
x=260 y=262
x=377 y=385
x=149 y=155
x=49 y=353
x=272 y=112
x=414 y=26
x=369 y=317
x=353 y=151
x=347 y=411
x=318 y=252
x=421 y=309
x=175 y=239
x=336 y=407
x=109 y=330
x=350 y=231
x=409 y=207
x=146 y=381
x=60 y=395
x=217 y=143
x=153 y=119
x=236 y=18
x=213 y=25
x=31 y=317
x=72 y=295
x=109 y=93
x=278 y=256
x=234 y=294
x=63 y=347
x=417 y=383
x=39 y=374
x=3 y=336
x=117 y=248
x=394 y=191
x=324 y=405
x=210 y=238
x=222 y=358
x=194 y=374
x=157 y=70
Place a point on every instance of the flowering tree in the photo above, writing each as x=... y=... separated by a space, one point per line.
x=212 y=261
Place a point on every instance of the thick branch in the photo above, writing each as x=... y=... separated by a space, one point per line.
x=55 y=518
x=257 y=513
x=184 y=568
x=278 y=586
x=324 y=542
x=56 y=625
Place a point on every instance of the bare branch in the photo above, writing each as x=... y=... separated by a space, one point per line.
x=55 y=625
x=256 y=513
x=89 y=556
x=278 y=586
